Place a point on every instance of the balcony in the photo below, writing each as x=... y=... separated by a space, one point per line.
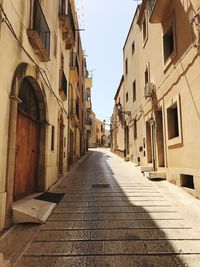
x=88 y=127
x=88 y=104
x=74 y=111
x=88 y=121
x=39 y=34
x=88 y=124
x=88 y=83
x=73 y=66
x=62 y=85
x=67 y=24
x=158 y=10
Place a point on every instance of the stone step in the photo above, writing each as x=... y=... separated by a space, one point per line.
x=155 y=175
x=32 y=210
x=146 y=168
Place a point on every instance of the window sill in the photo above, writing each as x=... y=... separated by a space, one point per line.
x=169 y=61
x=174 y=141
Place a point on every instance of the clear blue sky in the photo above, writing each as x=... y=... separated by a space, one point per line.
x=106 y=24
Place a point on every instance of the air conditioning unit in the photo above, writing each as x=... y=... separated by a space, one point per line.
x=149 y=89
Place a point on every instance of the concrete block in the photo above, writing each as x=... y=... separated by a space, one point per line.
x=32 y=210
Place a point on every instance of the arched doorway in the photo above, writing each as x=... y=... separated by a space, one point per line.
x=27 y=142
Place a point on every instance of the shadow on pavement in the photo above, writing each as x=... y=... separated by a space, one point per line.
x=111 y=215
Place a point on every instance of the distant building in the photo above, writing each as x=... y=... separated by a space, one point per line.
x=100 y=133
x=92 y=135
x=107 y=138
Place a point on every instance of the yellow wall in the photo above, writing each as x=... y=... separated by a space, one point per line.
x=176 y=80
x=12 y=55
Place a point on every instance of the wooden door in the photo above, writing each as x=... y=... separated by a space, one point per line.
x=27 y=153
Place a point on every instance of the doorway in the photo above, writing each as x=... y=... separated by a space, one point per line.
x=149 y=143
x=126 y=135
x=27 y=142
x=160 y=138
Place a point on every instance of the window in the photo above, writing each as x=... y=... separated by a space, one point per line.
x=61 y=61
x=39 y=34
x=133 y=47
x=65 y=141
x=126 y=96
x=187 y=181
x=55 y=45
x=168 y=43
x=144 y=29
x=135 y=129
x=134 y=91
x=126 y=66
x=172 y=120
x=146 y=76
x=88 y=96
x=151 y=4
x=52 y=137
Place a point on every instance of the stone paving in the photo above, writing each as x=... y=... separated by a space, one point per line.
x=112 y=216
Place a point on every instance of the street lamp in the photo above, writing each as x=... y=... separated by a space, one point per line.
x=119 y=109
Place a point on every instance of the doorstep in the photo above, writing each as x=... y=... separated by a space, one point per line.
x=156 y=175
x=146 y=168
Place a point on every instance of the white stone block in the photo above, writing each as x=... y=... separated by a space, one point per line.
x=32 y=210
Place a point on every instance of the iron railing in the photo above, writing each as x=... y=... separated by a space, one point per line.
x=40 y=25
x=65 y=9
x=73 y=60
x=74 y=107
x=63 y=82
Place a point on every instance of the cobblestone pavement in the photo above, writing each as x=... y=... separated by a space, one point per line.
x=113 y=216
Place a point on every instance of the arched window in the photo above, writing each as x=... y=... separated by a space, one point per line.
x=29 y=105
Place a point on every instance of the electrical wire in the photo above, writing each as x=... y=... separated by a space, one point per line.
x=41 y=70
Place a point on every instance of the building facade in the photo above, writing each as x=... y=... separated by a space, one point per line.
x=100 y=133
x=38 y=86
x=161 y=83
x=92 y=133
x=118 y=122
x=89 y=113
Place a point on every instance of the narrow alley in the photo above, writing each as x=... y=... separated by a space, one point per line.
x=112 y=215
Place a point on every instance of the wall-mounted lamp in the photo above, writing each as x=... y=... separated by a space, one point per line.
x=119 y=109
